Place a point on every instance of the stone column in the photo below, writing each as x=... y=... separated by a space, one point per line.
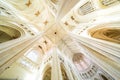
x=75 y=71
x=110 y=66
x=56 y=70
x=103 y=54
x=68 y=72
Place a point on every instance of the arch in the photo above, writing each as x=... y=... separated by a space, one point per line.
x=44 y=69
x=47 y=74
x=80 y=61
x=108 y=34
x=8 y=33
x=64 y=74
x=77 y=57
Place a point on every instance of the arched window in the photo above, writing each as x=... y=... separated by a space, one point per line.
x=81 y=62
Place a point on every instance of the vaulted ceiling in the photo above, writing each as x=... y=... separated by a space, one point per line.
x=55 y=19
x=47 y=17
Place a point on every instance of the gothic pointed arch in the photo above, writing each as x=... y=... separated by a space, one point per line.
x=47 y=74
x=64 y=73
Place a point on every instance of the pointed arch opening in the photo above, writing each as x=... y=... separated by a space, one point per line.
x=47 y=74
x=64 y=73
